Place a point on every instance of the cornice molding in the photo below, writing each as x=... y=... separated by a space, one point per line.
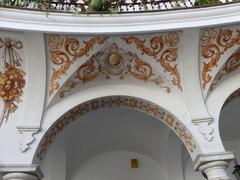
x=27 y=20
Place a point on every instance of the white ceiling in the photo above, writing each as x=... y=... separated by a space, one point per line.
x=115 y=129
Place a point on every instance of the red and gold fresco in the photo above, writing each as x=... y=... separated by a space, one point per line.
x=12 y=79
x=162 y=48
x=116 y=101
x=215 y=43
x=230 y=66
x=114 y=62
x=65 y=52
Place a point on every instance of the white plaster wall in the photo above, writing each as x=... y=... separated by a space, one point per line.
x=53 y=165
x=116 y=165
x=189 y=173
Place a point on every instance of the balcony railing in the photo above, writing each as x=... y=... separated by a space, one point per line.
x=121 y=6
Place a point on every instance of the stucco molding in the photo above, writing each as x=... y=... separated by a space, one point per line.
x=21 y=168
x=119 y=23
x=218 y=156
x=26 y=138
x=204 y=127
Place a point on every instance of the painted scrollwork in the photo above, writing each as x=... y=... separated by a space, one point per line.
x=215 y=42
x=162 y=48
x=156 y=44
x=65 y=52
x=231 y=65
x=168 y=56
x=12 y=80
x=116 y=101
x=114 y=62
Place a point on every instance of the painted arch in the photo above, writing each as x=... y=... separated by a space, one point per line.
x=135 y=103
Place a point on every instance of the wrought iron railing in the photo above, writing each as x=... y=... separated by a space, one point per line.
x=121 y=6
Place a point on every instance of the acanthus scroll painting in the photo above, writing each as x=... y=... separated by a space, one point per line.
x=150 y=59
x=12 y=75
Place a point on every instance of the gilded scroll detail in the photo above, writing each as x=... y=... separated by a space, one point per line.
x=64 y=52
x=116 y=101
x=12 y=80
x=214 y=43
x=115 y=62
x=231 y=65
x=162 y=48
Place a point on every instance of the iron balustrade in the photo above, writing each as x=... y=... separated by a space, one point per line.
x=122 y=6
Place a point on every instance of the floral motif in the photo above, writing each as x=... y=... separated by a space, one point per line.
x=114 y=62
x=12 y=79
x=172 y=39
x=231 y=65
x=215 y=42
x=168 y=56
x=164 y=49
x=156 y=44
x=185 y=136
x=116 y=101
x=65 y=52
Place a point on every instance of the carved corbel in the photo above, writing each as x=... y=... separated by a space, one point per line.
x=26 y=138
x=204 y=127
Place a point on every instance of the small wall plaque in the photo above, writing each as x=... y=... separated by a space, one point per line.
x=134 y=163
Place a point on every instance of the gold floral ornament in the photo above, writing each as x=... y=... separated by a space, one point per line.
x=114 y=63
x=162 y=48
x=64 y=52
x=215 y=42
x=230 y=66
x=12 y=79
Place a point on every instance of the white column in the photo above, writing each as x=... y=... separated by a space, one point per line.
x=19 y=176
x=215 y=170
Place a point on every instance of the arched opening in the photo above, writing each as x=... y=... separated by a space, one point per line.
x=103 y=136
x=229 y=125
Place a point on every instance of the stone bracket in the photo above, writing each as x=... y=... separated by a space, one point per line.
x=26 y=138
x=204 y=127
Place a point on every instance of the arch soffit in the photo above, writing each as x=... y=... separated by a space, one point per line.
x=133 y=102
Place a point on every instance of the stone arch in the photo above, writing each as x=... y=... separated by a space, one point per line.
x=218 y=98
x=220 y=95
x=117 y=101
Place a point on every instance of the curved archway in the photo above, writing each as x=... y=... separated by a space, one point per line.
x=117 y=101
x=216 y=100
x=229 y=125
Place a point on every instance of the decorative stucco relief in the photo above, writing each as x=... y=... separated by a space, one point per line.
x=230 y=66
x=65 y=51
x=116 y=101
x=214 y=44
x=115 y=63
x=164 y=49
x=12 y=79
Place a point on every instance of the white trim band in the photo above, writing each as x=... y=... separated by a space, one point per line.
x=26 y=20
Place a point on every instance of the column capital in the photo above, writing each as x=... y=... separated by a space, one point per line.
x=19 y=176
x=206 y=158
x=215 y=170
x=30 y=171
